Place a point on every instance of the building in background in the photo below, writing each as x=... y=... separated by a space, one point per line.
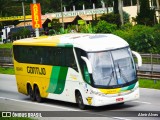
x=71 y=17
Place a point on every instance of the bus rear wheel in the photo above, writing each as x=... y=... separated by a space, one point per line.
x=79 y=101
x=31 y=93
x=37 y=94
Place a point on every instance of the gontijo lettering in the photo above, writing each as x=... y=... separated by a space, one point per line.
x=36 y=70
x=36 y=15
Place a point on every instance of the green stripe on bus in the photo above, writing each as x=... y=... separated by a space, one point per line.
x=61 y=80
x=64 y=45
x=127 y=87
x=131 y=86
x=53 y=79
x=57 y=80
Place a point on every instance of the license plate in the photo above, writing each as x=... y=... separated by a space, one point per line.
x=119 y=99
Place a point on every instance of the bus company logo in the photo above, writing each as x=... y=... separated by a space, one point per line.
x=36 y=15
x=6 y=114
x=36 y=70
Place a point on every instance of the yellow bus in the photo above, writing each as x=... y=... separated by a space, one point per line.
x=88 y=69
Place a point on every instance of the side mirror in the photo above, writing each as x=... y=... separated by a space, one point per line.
x=87 y=63
x=139 y=58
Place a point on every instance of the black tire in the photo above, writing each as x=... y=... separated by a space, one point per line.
x=31 y=93
x=79 y=101
x=37 y=94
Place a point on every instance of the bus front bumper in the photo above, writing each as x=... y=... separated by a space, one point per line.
x=108 y=100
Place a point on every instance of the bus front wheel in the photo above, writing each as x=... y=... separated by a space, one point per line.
x=79 y=101
x=31 y=93
x=37 y=94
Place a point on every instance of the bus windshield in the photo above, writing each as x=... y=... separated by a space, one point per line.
x=112 y=68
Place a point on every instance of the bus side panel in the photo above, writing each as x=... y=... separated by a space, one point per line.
x=21 y=84
x=34 y=75
x=72 y=80
x=54 y=82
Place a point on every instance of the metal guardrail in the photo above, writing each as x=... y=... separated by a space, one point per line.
x=153 y=55
x=6 y=65
x=149 y=76
x=6 y=57
x=151 y=58
x=150 y=68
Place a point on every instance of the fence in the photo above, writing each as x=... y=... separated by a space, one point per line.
x=150 y=68
x=6 y=58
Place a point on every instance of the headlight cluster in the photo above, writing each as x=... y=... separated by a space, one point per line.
x=102 y=94
x=113 y=95
x=98 y=93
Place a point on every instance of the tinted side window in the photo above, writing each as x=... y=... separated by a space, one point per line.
x=56 y=56
x=70 y=58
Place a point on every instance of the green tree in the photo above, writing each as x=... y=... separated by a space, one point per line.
x=115 y=18
x=111 y=18
x=115 y=7
x=56 y=25
x=146 y=15
x=141 y=38
x=104 y=27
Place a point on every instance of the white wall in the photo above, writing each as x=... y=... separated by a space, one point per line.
x=131 y=10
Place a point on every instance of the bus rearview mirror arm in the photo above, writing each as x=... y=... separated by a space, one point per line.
x=139 y=58
x=87 y=63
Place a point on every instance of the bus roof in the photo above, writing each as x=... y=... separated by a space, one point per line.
x=87 y=42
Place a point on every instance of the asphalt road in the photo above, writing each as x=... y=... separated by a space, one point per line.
x=11 y=100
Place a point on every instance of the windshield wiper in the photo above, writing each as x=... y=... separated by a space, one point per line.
x=123 y=76
x=111 y=76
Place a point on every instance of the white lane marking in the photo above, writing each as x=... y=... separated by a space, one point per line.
x=142 y=102
x=119 y=118
x=53 y=106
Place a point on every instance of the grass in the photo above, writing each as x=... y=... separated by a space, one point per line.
x=7 y=45
x=7 y=70
x=146 y=83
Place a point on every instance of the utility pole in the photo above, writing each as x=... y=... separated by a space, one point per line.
x=138 y=6
x=24 y=16
x=62 y=15
x=37 y=30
